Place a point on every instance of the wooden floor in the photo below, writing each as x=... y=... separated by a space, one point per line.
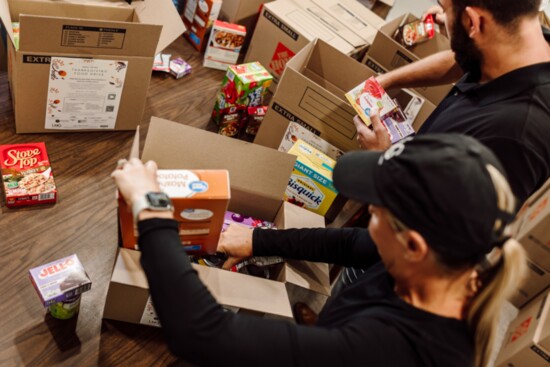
x=84 y=222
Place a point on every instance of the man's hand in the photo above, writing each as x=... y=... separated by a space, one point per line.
x=376 y=138
x=438 y=14
x=236 y=242
x=135 y=179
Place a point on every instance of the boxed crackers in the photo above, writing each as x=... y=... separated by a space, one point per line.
x=198 y=16
x=243 y=86
x=200 y=199
x=224 y=45
x=310 y=184
x=27 y=175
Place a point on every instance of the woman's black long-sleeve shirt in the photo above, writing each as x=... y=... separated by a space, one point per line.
x=366 y=324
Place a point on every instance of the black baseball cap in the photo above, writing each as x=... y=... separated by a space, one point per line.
x=436 y=184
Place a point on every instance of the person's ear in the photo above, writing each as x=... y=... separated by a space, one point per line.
x=416 y=249
x=473 y=21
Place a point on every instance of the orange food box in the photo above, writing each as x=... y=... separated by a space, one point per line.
x=27 y=175
x=200 y=199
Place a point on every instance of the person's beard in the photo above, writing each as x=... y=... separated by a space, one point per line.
x=467 y=54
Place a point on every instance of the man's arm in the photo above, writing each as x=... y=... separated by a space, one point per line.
x=437 y=69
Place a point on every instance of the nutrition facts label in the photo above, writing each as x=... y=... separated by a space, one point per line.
x=98 y=37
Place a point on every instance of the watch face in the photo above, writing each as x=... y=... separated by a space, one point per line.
x=159 y=200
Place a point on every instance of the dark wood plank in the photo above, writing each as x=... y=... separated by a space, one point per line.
x=84 y=222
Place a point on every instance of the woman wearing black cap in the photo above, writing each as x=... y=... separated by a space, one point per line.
x=434 y=280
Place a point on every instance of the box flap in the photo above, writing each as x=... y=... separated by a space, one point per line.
x=134 y=150
x=161 y=12
x=244 y=291
x=83 y=36
x=258 y=175
x=128 y=269
x=293 y=216
x=309 y=275
x=6 y=17
x=542 y=336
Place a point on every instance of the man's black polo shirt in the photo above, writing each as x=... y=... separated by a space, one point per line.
x=510 y=115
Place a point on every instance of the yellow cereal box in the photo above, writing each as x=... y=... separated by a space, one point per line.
x=200 y=199
x=310 y=184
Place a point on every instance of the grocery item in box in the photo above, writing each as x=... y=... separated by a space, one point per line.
x=244 y=85
x=254 y=119
x=59 y=285
x=416 y=32
x=198 y=17
x=15 y=28
x=310 y=184
x=231 y=121
x=224 y=45
x=250 y=222
x=369 y=95
x=27 y=175
x=179 y=67
x=200 y=199
x=296 y=131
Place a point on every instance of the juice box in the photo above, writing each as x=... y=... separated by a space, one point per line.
x=200 y=199
x=27 y=175
x=60 y=280
x=370 y=94
x=224 y=45
x=243 y=86
x=310 y=184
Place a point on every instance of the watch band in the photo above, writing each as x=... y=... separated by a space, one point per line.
x=142 y=203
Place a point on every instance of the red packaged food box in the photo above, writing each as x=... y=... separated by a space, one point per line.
x=27 y=175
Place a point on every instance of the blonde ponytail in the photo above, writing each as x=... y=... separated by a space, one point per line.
x=498 y=284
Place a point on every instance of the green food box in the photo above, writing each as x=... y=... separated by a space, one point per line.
x=243 y=86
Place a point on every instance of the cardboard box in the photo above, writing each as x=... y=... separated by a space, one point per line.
x=312 y=93
x=225 y=44
x=310 y=185
x=285 y=27
x=534 y=233
x=199 y=16
x=200 y=199
x=256 y=190
x=390 y=55
x=124 y=36
x=243 y=12
x=522 y=343
x=536 y=281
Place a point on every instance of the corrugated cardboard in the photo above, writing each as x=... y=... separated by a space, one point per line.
x=285 y=27
x=258 y=178
x=521 y=345
x=534 y=233
x=312 y=93
x=389 y=54
x=536 y=281
x=144 y=28
x=243 y=12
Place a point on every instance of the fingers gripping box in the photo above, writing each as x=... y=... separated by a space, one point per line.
x=200 y=199
x=27 y=175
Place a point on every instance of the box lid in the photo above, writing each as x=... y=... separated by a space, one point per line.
x=148 y=12
x=258 y=175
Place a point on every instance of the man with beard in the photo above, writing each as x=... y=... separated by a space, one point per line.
x=502 y=98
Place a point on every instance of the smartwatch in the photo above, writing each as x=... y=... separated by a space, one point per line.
x=155 y=201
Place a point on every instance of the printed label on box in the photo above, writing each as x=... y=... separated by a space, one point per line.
x=281 y=56
x=84 y=93
x=149 y=316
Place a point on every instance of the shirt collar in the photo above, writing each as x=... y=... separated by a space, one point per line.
x=507 y=85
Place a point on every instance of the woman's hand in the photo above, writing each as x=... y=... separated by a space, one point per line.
x=135 y=179
x=376 y=138
x=236 y=243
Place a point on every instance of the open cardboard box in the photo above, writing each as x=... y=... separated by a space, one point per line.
x=389 y=54
x=286 y=26
x=312 y=93
x=527 y=340
x=258 y=177
x=90 y=29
